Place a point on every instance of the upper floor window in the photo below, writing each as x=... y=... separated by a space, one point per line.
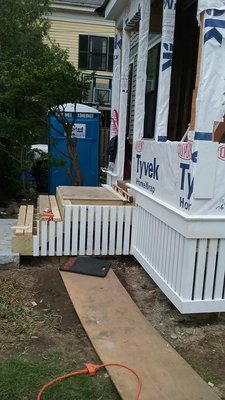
x=96 y=53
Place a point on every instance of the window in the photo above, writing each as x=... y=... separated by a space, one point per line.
x=151 y=90
x=96 y=53
x=100 y=90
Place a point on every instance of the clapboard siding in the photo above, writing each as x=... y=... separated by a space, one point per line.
x=66 y=34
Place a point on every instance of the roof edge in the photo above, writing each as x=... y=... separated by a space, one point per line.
x=101 y=10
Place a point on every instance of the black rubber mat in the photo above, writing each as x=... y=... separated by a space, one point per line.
x=87 y=266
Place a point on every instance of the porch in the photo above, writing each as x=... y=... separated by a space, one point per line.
x=77 y=221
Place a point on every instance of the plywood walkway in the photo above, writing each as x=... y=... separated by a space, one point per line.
x=120 y=333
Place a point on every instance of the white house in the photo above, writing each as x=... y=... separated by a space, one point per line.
x=177 y=91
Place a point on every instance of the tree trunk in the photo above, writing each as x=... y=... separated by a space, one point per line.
x=75 y=175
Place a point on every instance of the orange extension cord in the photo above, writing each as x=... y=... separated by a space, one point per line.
x=91 y=370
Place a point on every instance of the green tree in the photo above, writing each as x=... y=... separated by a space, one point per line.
x=36 y=78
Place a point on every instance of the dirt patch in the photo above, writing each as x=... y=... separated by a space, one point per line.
x=47 y=320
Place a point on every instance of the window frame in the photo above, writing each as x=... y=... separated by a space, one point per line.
x=89 y=54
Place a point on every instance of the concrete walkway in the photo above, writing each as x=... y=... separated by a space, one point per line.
x=6 y=255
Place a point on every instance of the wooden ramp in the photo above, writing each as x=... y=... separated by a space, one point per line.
x=120 y=333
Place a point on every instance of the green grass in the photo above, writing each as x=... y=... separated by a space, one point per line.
x=22 y=380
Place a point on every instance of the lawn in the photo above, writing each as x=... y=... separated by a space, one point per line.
x=42 y=338
x=22 y=379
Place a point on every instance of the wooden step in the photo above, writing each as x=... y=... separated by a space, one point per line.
x=22 y=239
x=25 y=221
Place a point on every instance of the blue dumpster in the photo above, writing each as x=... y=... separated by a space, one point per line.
x=86 y=132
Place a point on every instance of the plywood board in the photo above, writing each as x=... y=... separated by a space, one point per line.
x=82 y=195
x=61 y=203
x=120 y=333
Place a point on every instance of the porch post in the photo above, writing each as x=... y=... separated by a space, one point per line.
x=123 y=104
x=210 y=102
x=139 y=114
x=115 y=101
x=165 y=69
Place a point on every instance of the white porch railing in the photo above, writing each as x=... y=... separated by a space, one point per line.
x=184 y=256
x=86 y=230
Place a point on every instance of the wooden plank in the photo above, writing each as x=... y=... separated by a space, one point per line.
x=61 y=203
x=82 y=193
x=21 y=220
x=59 y=200
x=131 y=340
x=29 y=220
x=44 y=203
x=93 y=202
x=22 y=245
x=55 y=209
x=123 y=193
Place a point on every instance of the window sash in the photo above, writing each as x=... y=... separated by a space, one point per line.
x=95 y=53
